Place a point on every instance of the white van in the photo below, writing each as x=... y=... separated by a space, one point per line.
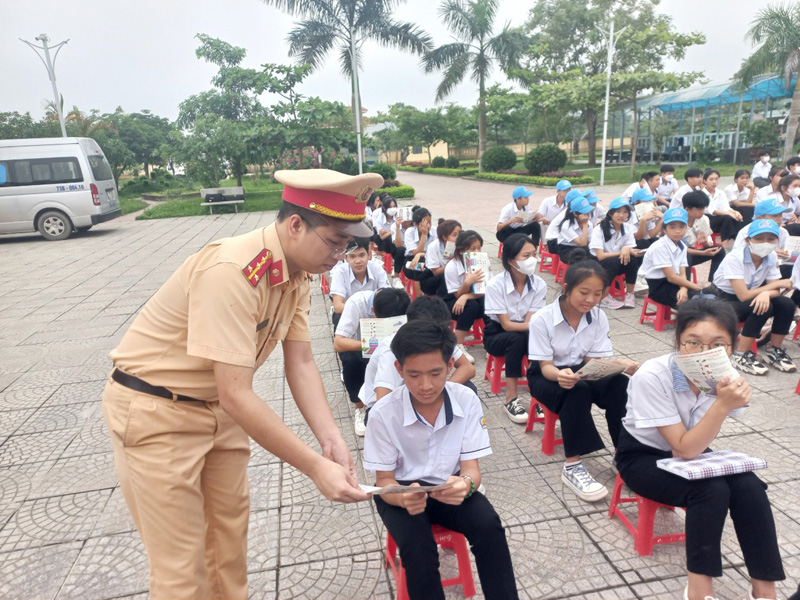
x=55 y=186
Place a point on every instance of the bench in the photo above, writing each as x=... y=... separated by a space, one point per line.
x=222 y=196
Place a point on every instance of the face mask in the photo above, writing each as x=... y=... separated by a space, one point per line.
x=765 y=159
x=527 y=266
x=796 y=170
x=762 y=249
x=391 y=211
x=698 y=188
x=668 y=178
x=793 y=192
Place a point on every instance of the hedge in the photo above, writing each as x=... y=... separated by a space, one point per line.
x=410 y=168
x=401 y=191
x=532 y=179
x=450 y=172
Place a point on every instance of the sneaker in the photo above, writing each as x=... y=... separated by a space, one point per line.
x=749 y=363
x=630 y=301
x=610 y=303
x=397 y=284
x=641 y=285
x=686 y=595
x=358 y=422
x=469 y=356
x=779 y=360
x=516 y=412
x=539 y=411
x=579 y=480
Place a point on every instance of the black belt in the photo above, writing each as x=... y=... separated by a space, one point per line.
x=134 y=383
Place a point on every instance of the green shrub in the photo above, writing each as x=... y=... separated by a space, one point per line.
x=345 y=164
x=451 y=172
x=545 y=158
x=401 y=191
x=532 y=179
x=451 y=162
x=498 y=158
x=411 y=168
x=438 y=162
x=385 y=170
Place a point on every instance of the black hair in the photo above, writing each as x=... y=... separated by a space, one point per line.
x=667 y=169
x=431 y=308
x=582 y=267
x=363 y=242
x=709 y=172
x=421 y=337
x=741 y=172
x=777 y=171
x=390 y=302
x=786 y=180
x=693 y=172
x=311 y=218
x=705 y=309
x=607 y=226
x=569 y=218
x=386 y=202
x=647 y=175
x=764 y=151
x=446 y=227
x=512 y=246
x=418 y=214
x=464 y=240
x=372 y=198
x=695 y=199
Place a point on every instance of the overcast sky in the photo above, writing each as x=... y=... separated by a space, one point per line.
x=140 y=55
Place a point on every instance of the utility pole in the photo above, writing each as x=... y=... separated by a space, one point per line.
x=356 y=94
x=51 y=71
x=612 y=42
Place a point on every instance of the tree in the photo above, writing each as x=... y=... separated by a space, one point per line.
x=81 y=124
x=462 y=126
x=14 y=125
x=143 y=133
x=117 y=153
x=413 y=126
x=659 y=128
x=776 y=32
x=476 y=51
x=508 y=114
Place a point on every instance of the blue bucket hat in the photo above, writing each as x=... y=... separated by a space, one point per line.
x=676 y=214
x=770 y=207
x=763 y=226
x=520 y=192
x=581 y=206
x=642 y=195
x=564 y=184
x=619 y=203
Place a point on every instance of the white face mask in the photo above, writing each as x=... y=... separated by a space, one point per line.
x=794 y=192
x=763 y=249
x=668 y=178
x=391 y=211
x=765 y=159
x=527 y=266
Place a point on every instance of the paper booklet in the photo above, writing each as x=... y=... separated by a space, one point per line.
x=404 y=489
x=526 y=217
x=598 y=368
x=712 y=464
x=405 y=212
x=449 y=250
x=706 y=369
x=420 y=266
x=642 y=208
x=793 y=248
x=478 y=261
x=374 y=330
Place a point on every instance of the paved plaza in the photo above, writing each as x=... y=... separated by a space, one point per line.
x=65 y=531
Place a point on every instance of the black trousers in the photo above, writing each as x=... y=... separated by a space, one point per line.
x=473 y=310
x=398 y=253
x=335 y=319
x=552 y=246
x=699 y=259
x=433 y=285
x=512 y=345
x=747 y=212
x=793 y=229
x=574 y=408
x=707 y=503
x=664 y=292
x=532 y=230
x=725 y=225
x=781 y=309
x=565 y=251
x=354 y=366
x=480 y=524
x=644 y=244
x=417 y=275
x=786 y=270
x=613 y=267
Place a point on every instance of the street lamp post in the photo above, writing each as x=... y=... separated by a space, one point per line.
x=49 y=64
x=356 y=94
x=612 y=42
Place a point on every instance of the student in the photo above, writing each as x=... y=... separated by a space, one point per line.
x=386 y=302
x=564 y=336
x=416 y=240
x=551 y=235
x=645 y=180
x=668 y=416
x=750 y=281
x=598 y=210
x=509 y=223
x=665 y=266
x=694 y=181
x=465 y=306
x=386 y=222
x=615 y=247
x=355 y=273
x=698 y=240
x=788 y=193
x=431 y=431
x=761 y=170
x=773 y=210
x=436 y=257
x=666 y=186
x=552 y=205
x=512 y=298
x=724 y=220
x=373 y=204
x=742 y=194
x=648 y=228
x=575 y=229
x=793 y=165
x=771 y=187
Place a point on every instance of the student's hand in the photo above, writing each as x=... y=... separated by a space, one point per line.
x=567 y=379
x=632 y=365
x=415 y=503
x=702 y=237
x=750 y=185
x=683 y=295
x=792 y=220
x=761 y=303
x=782 y=253
x=514 y=220
x=733 y=394
x=538 y=218
x=582 y=219
x=415 y=260
x=637 y=251
x=458 y=307
x=475 y=277
x=454 y=495
x=424 y=227
x=625 y=255
x=736 y=215
x=711 y=250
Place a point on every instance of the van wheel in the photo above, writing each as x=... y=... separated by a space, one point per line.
x=54 y=225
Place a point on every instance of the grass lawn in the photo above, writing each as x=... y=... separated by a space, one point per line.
x=254 y=201
x=130 y=205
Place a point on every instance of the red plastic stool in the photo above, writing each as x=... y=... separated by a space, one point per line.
x=660 y=316
x=500 y=251
x=550 y=267
x=754 y=345
x=411 y=287
x=549 y=440
x=644 y=540
x=324 y=285
x=495 y=372
x=617 y=289
x=446 y=539
x=561 y=271
x=388 y=263
x=797 y=389
x=796 y=330
x=476 y=332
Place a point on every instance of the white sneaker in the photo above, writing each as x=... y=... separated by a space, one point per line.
x=358 y=422
x=686 y=595
x=516 y=412
x=469 y=356
x=610 y=303
x=641 y=285
x=397 y=284
x=630 y=300
x=584 y=486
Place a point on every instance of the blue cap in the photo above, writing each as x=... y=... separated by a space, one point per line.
x=581 y=205
x=642 y=195
x=573 y=195
x=763 y=226
x=676 y=214
x=591 y=196
x=771 y=207
x=521 y=192
x=619 y=203
x=564 y=184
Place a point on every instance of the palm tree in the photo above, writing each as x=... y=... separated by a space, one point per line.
x=472 y=23
x=777 y=30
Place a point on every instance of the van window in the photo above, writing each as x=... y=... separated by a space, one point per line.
x=100 y=168
x=42 y=170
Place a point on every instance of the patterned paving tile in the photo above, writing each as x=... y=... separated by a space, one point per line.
x=78 y=474
x=115 y=518
x=262 y=540
x=54 y=418
x=35 y=447
x=36 y=572
x=26 y=398
x=359 y=576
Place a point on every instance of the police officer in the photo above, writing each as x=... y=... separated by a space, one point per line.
x=180 y=404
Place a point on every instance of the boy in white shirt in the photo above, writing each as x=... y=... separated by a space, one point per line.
x=699 y=245
x=694 y=181
x=510 y=223
x=762 y=168
x=666 y=185
x=355 y=273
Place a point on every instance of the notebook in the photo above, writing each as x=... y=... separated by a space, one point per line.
x=712 y=464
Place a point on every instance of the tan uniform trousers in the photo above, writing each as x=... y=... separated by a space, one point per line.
x=182 y=468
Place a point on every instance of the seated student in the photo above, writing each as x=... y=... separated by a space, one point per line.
x=465 y=306
x=789 y=194
x=615 y=247
x=665 y=266
x=551 y=235
x=575 y=229
x=381 y=377
x=552 y=205
x=724 y=220
x=668 y=416
x=436 y=257
x=649 y=181
x=355 y=273
x=771 y=188
x=512 y=298
x=694 y=181
x=385 y=302
x=564 y=336
x=750 y=281
x=598 y=210
x=793 y=165
x=741 y=194
x=416 y=240
x=509 y=223
x=773 y=210
x=431 y=431
x=666 y=186
x=761 y=170
x=635 y=186
x=699 y=245
x=648 y=228
x=386 y=222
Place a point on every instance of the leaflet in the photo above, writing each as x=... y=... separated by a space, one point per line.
x=474 y=262
x=793 y=248
x=599 y=368
x=374 y=330
x=642 y=208
x=449 y=250
x=405 y=213
x=526 y=216
x=706 y=369
x=404 y=489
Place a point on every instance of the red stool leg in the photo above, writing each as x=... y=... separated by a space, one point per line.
x=797 y=389
x=615 y=496
x=402 y=589
x=495 y=374
x=644 y=526
x=500 y=250
x=464 y=566
x=549 y=437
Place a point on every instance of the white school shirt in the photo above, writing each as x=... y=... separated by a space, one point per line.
x=628 y=193
x=345 y=284
x=738 y=264
x=666 y=189
x=381 y=221
x=795 y=277
x=569 y=233
x=411 y=240
x=739 y=242
x=619 y=239
x=503 y=299
x=719 y=201
x=510 y=211
x=663 y=253
x=367 y=213
x=434 y=255
x=357 y=307
x=549 y=207
x=555 y=225
x=677 y=197
x=550 y=337
x=766 y=192
x=761 y=169
x=700 y=225
x=793 y=203
x=398 y=439
x=455 y=272
x=598 y=214
x=733 y=193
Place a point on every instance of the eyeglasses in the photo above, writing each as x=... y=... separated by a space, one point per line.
x=338 y=252
x=693 y=346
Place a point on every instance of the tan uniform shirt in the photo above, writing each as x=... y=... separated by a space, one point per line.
x=231 y=302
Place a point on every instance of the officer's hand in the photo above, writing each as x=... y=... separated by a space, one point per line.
x=337 y=483
x=338 y=452
x=415 y=503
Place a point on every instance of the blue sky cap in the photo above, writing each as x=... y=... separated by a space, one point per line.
x=581 y=206
x=763 y=226
x=521 y=192
x=771 y=207
x=642 y=195
x=591 y=197
x=564 y=184
x=619 y=203
x=573 y=195
x=676 y=214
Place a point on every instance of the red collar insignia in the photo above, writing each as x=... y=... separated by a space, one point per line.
x=257 y=267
